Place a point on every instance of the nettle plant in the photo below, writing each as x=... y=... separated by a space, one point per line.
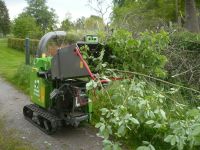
x=136 y=109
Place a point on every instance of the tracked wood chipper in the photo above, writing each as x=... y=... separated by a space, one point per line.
x=58 y=85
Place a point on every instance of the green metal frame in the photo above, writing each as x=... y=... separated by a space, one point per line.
x=40 y=88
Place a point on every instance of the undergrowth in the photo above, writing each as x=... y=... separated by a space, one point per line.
x=143 y=111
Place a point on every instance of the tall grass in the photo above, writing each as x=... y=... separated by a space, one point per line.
x=10 y=60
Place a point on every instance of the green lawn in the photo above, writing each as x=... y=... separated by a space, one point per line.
x=9 y=60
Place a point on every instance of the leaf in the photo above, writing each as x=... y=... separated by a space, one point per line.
x=193 y=112
x=158 y=125
x=90 y=85
x=134 y=120
x=98 y=125
x=102 y=128
x=168 y=138
x=103 y=111
x=116 y=147
x=151 y=147
x=104 y=65
x=196 y=131
x=121 y=130
x=143 y=148
x=173 y=140
x=145 y=142
x=163 y=114
x=150 y=122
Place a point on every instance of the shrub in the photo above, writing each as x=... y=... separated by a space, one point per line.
x=145 y=116
x=22 y=78
x=186 y=41
x=142 y=54
x=26 y=26
x=19 y=44
x=183 y=55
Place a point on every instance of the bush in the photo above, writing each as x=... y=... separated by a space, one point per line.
x=19 y=44
x=141 y=113
x=25 y=26
x=22 y=78
x=144 y=114
x=142 y=54
x=186 y=41
x=183 y=55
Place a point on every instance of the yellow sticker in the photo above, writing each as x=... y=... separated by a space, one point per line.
x=42 y=94
x=34 y=69
x=43 y=55
x=81 y=64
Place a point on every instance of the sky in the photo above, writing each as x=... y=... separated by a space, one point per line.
x=77 y=8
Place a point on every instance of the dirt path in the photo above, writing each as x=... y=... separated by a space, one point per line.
x=69 y=138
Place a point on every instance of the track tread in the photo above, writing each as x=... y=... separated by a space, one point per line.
x=41 y=112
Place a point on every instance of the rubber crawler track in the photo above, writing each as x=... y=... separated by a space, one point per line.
x=47 y=122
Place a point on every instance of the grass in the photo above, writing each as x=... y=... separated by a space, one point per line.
x=13 y=68
x=10 y=61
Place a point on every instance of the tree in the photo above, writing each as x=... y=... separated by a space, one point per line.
x=80 y=23
x=45 y=17
x=66 y=25
x=94 y=23
x=101 y=7
x=25 y=26
x=191 y=19
x=4 y=19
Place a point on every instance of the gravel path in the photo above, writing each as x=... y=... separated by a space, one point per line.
x=69 y=138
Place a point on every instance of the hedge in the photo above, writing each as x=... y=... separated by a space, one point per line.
x=186 y=41
x=19 y=44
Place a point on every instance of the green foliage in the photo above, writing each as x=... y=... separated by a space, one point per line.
x=45 y=17
x=186 y=41
x=25 y=26
x=144 y=114
x=19 y=44
x=11 y=67
x=10 y=60
x=22 y=77
x=94 y=23
x=137 y=16
x=79 y=23
x=4 y=19
x=140 y=111
x=183 y=55
x=66 y=25
x=72 y=38
x=142 y=54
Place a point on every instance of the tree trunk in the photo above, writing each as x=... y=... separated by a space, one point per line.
x=191 y=18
